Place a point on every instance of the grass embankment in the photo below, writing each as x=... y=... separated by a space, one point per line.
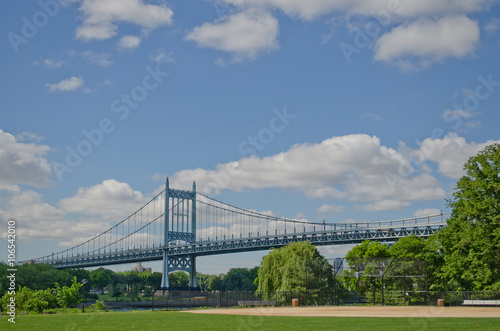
x=162 y=320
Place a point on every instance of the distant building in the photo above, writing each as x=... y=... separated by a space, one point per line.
x=140 y=268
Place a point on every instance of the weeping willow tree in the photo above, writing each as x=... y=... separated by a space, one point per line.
x=295 y=269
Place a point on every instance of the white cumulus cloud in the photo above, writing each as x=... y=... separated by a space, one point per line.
x=244 y=34
x=312 y=9
x=23 y=163
x=89 y=212
x=424 y=30
x=450 y=153
x=354 y=168
x=384 y=205
x=52 y=63
x=427 y=212
x=101 y=17
x=66 y=85
x=327 y=210
x=100 y=59
x=428 y=41
x=129 y=42
x=110 y=199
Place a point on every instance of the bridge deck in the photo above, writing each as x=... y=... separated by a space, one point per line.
x=351 y=236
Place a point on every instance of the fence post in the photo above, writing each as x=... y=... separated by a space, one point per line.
x=334 y=291
x=426 y=285
x=374 y=290
x=321 y=286
x=383 y=290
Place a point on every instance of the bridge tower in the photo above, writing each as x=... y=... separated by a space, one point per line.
x=180 y=225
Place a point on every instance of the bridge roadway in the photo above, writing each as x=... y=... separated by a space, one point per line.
x=388 y=231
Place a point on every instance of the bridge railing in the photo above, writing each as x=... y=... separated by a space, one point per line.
x=290 y=226
x=407 y=222
x=219 y=221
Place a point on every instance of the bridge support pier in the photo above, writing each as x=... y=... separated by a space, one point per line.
x=165 y=284
x=179 y=225
x=192 y=281
x=187 y=264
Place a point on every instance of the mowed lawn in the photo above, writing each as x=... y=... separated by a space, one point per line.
x=171 y=320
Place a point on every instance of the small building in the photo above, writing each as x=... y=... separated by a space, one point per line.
x=140 y=268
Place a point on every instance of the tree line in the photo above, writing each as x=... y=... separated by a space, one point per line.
x=115 y=284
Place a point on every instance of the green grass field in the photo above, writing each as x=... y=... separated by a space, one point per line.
x=161 y=320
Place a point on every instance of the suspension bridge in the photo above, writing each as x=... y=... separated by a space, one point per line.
x=177 y=226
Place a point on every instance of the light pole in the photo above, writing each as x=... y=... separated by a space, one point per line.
x=84 y=282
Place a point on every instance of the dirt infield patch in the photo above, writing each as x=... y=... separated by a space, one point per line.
x=361 y=311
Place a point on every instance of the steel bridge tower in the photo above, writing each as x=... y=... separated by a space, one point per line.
x=180 y=225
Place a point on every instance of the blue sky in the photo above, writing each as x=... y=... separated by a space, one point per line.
x=328 y=109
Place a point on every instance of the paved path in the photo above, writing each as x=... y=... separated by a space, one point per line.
x=361 y=311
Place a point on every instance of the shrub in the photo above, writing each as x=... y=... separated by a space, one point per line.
x=68 y=297
x=98 y=306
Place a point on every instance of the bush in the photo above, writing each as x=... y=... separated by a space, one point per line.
x=41 y=300
x=68 y=297
x=29 y=300
x=98 y=306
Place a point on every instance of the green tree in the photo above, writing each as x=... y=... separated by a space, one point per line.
x=101 y=278
x=131 y=281
x=366 y=251
x=471 y=241
x=78 y=273
x=4 y=281
x=178 y=279
x=216 y=283
x=241 y=279
x=117 y=290
x=130 y=278
x=120 y=278
x=23 y=295
x=202 y=280
x=295 y=267
x=41 y=276
x=154 y=280
x=68 y=297
x=418 y=249
x=150 y=282
x=41 y=300
x=367 y=262
x=134 y=291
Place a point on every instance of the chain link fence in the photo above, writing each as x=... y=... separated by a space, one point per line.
x=311 y=297
x=389 y=282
